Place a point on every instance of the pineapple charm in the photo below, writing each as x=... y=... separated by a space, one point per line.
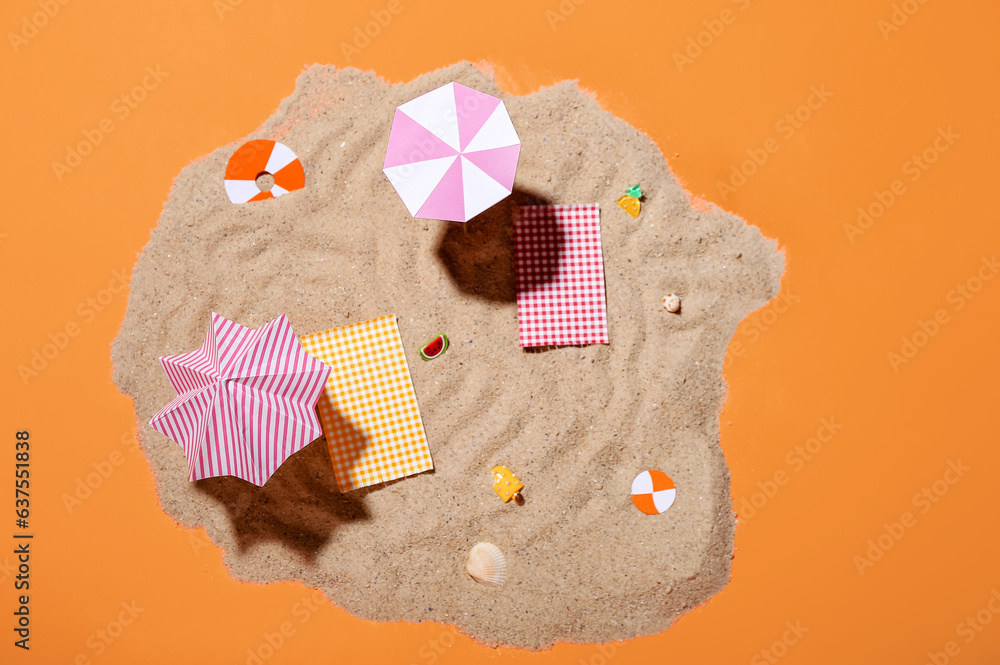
x=630 y=201
x=506 y=485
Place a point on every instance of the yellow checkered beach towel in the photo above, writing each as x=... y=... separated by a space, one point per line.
x=368 y=409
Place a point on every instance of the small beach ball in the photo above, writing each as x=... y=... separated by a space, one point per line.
x=653 y=492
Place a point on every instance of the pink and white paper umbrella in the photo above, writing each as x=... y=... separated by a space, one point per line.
x=452 y=153
x=246 y=400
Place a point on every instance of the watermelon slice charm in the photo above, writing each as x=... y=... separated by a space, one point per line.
x=434 y=348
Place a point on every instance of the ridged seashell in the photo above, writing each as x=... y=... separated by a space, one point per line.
x=487 y=564
x=671 y=302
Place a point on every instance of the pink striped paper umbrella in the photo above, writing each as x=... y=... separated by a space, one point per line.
x=246 y=400
x=452 y=153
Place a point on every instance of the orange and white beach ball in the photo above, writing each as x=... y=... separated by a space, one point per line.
x=653 y=492
x=259 y=157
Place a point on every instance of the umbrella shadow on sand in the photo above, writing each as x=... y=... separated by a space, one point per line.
x=479 y=254
x=299 y=506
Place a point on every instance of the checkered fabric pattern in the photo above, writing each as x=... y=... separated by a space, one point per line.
x=368 y=408
x=560 y=275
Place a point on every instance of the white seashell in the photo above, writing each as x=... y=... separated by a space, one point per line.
x=487 y=564
x=672 y=302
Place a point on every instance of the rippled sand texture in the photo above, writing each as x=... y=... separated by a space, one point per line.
x=576 y=424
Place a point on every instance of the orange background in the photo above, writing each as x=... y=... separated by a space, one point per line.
x=823 y=354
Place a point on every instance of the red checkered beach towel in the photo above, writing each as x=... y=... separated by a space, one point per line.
x=560 y=275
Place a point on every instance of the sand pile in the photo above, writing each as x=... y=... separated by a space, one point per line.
x=576 y=424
